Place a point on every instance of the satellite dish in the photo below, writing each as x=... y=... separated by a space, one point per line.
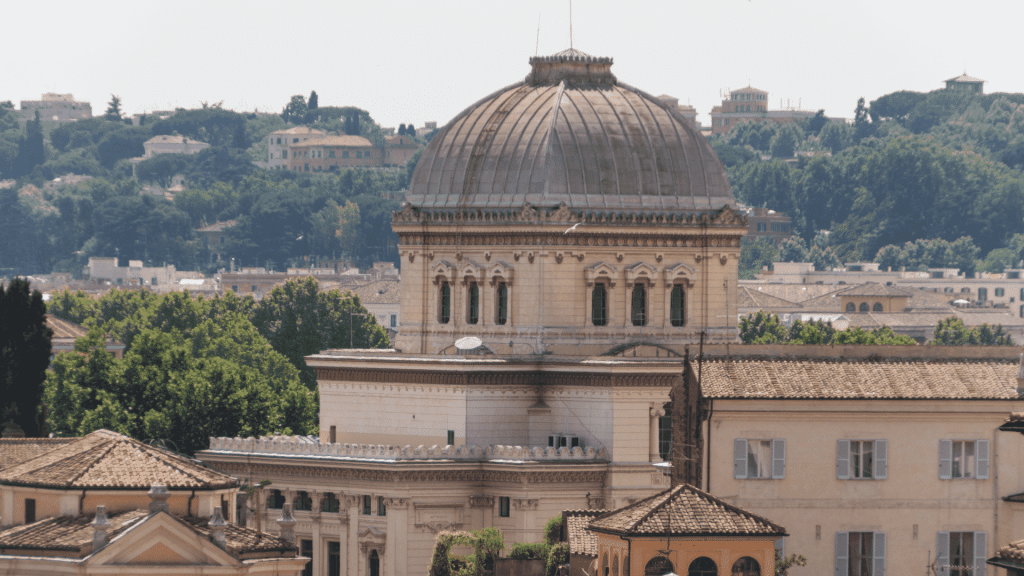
x=468 y=343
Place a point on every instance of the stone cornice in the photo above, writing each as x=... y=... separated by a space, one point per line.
x=528 y=214
x=264 y=466
x=492 y=379
x=654 y=238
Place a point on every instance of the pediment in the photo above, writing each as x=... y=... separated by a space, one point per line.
x=501 y=271
x=470 y=269
x=601 y=270
x=161 y=540
x=680 y=273
x=641 y=271
x=442 y=268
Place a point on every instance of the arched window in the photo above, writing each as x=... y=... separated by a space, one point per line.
x=501 y=304
x=658 y=566
x=703 y=566
x=615 y=564
x=330 y=503
x=444 y=312
x=604 y=564
x=877 y=307
x=678 y=306
x=639 y=308
x=473 y=304
x=599 y=305
x=851 y=307
x=863 y=306
x=303 y=501
x=275 y=499
x=746 y=566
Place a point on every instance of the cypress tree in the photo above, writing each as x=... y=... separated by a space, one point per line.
x=24 y=356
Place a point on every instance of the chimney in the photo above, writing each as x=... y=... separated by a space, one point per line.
x=1020 y=377
x=217 y=526
x=287 y=523
x=100 y=525
x=687 y=432
x=158 y=496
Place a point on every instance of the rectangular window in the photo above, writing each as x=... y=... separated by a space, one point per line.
x=860 y=553
x=333 y=435
x=30 y=510
x=344 y=153
x=295 y=140
x=501 y=313
x=252 y=288
x=473 y=303
x=334 y=559
x=451 y=437
x=639 y=305
x=982 y=294
x=599 y=305
x=234 y=287
x=1000 y=292
x=394 y=320
x=444 y=312
x=963 y=459
x=678 y=306
x=862 y=459
x=359 y=153
x=278 y=140
x=759 y=458
x=331 y=154
x=665 y=436
x=382 y=508
x=504 y=506
x=762 y=226
x=367 y=501
x=306 y=549
x=961 y=553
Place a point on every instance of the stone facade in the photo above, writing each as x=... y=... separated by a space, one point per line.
x=56 y=108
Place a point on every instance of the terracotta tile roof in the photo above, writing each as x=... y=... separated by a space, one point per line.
x=581 y=539
x=14 y=451
x=964 y=78
x=684 y=511
x=378 y=292
x=105 y=459
x=72 y=536
x=797 y=293
x=873 y=289
x=751 y=297
x=217 y=226
x=299 y=130
x=353 y=141
x=868 y=378
x=65 y=329
x=1011 y=555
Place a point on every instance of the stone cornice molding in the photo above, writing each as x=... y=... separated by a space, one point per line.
x=501 y=272
x=442 y=269
x=492 y=379
x=396 y=503
x=481 y=501
x=641 y=272
x=528 y=214
x=511 y=240
x=525 y=503
x=679 y=274
x=345 y=471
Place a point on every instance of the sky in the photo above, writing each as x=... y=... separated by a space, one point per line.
x=414 y=61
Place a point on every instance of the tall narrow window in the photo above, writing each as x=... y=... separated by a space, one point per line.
x=366 y=505
x=451 y=437
x=501 y=313
x=334 y=559
x=306 y=549
x=504 y=507
x=639 y=309
x=30 y=510
x=600 y=305
x=665 y=436
x=444 y=314
x=678 y=306
x=382 y=508
x=473 y=302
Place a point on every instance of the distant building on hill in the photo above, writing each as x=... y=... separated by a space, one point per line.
x=967 y=83
x=687 y=111
x=56 y=108
x=327 y=153
x=281 y=141
x=215 y=236
x=750 y=105
x=399 y=149
x=765 y=223
x=168 y=144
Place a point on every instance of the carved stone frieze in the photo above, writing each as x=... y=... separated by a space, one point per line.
x=499 y=379
x=473 y=473
x=525 y=503
x=481 y=501
x=397 y=503
x=724 y=217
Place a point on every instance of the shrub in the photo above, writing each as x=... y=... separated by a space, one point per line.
x=523 y=551
x=559 y=555
x=553 y=530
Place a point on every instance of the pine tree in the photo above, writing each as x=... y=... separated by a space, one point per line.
x=113 y=109
x=313 y=103
x=401 y=129
x=31 y=152
x=24 y=356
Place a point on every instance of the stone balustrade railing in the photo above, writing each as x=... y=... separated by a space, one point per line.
x=306 y=446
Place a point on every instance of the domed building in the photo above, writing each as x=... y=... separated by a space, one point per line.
x=568 y=213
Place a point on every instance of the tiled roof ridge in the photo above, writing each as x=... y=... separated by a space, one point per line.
x=108 y=447
x=89 y=441
x=657 y=507
x=736 y=509
x=164 y=453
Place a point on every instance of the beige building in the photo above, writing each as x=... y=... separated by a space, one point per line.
x=281 y=141
x=750 y=105
x=56 y=108
x=172 y=144
x=328 y=153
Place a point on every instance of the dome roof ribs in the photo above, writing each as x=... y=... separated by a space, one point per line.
x=507 y=155
x=602 y=138
x=553 y=140
x=615 y=155
x=480 y=149
x=652 y=150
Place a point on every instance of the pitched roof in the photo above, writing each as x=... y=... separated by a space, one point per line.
x=65 y=329
x=105 y=459
x=299 y=130
x=72 y=536
x=173 y=139
x=751 y=297
x=14 y=451
x=378 y=292
x=353 y=141
x=790 y=292
x=581 y=539
x=873 y=289
x=684 y=511
x=867 y=378
x=964 y=78
x=217 y=226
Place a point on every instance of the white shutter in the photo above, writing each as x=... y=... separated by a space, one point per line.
x=942 y=554
x=879 y=554
x=945 y=459
x=842 y=553
x=739 y=466
x=780 y=547
x=881 y=470
x=842 y=459
x=980 y=553
x=778 y=458
x=981 y=459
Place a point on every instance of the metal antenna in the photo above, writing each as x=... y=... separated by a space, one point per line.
x=570 y=25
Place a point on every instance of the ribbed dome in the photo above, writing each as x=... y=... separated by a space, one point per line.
x=570 y=133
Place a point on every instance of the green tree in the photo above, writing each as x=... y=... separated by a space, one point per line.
x=314 y=101
x=295 y=111
x=883 y=336
x=24 y=356
x=793 y=249
x=836 y=136
x=782 y=565
x=786 y=140
x=113 y=112
x=762 y=328
x=823 y=259
x=862 y=126
x=755 y=254
x=951 y=332
x=998 y=260
x=298 y=320
x=31 y=151
x=814 y=332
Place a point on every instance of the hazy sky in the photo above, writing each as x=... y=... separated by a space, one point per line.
x=412 y=61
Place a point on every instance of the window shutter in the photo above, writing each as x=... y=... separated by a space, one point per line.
x=881 y=459
x=778 y=458
x=981 y=459
x=980 y=553
x=739 y=466
x=942 y=554
x=843 y=459
x=945 y=459
x=879 y=554
x=842 y=553
x=780 y=547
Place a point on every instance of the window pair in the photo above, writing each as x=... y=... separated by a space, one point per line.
x=368 y=504
x=473 y=303
x=759 y=458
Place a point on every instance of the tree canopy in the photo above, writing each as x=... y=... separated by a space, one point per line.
x=24 y=356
